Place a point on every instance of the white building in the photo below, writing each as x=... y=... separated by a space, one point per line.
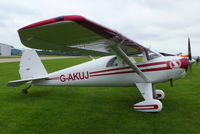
x=5 y=50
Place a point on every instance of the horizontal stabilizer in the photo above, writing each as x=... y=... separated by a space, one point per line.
x=17 y=83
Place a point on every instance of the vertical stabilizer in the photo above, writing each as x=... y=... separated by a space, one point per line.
x=31 y=65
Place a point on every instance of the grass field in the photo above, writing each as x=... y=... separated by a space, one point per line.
x=95 y=110
x=3 y=57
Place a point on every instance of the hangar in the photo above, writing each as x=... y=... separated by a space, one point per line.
x=5 y=50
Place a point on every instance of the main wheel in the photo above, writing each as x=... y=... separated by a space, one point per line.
x=24 y=91
x=159 y=94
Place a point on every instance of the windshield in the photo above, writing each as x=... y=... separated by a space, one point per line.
x=153 y=54
x=140 y=55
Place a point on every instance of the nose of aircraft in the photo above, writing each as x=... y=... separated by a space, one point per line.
x=184 y=63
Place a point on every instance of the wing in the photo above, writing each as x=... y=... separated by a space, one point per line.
x=79 y=35
x=73 y=34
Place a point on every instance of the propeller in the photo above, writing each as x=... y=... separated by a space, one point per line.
x=189 y=50
x=191 y=61
x=198 y=60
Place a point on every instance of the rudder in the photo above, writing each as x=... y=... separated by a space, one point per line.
x=31 y=65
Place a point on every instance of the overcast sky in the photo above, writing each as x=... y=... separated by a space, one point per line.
x=161 y=25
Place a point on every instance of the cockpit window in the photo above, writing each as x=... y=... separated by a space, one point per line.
x=111 y=62
x=153 y=54
x=135 y=55
x=115 y=61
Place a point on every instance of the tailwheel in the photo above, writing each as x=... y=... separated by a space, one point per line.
x=159 y=94
x=148 y=106
x=25 y=90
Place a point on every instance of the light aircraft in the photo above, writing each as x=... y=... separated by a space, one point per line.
x=119 y=66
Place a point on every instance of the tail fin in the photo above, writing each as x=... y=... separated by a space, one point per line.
x=31 y=65
x=31 y=68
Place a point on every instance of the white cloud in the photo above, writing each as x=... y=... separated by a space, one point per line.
x=163 y=25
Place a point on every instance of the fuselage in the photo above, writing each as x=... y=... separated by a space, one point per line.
x=111 y=71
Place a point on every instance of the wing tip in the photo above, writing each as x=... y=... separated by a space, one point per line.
x=54 y=20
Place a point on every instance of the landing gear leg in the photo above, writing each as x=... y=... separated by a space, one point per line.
x=149 y=104
x=25 y=90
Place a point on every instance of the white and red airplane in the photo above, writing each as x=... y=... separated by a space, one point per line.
x=78 y=34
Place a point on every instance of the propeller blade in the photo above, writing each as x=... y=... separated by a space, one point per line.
x=197 y=60
x=189 y=50
x=190 y=69
x=171 y=83
x=191 y=61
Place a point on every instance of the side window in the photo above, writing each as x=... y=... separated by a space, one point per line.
x=135 y=54
x=115 y=61
x=137 y=58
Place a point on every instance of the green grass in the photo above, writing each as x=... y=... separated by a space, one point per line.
x=5 y=57
x=53 y=56
x=95 y=110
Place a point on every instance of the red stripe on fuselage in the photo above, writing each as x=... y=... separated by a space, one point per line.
x=108 y=70
x=123 y=68
x=126 y=72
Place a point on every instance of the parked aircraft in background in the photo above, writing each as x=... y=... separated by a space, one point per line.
x=195 y=58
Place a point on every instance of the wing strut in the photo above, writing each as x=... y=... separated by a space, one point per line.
x=122 y=54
